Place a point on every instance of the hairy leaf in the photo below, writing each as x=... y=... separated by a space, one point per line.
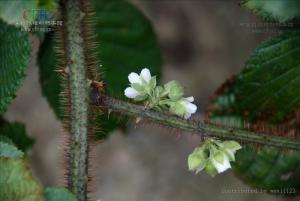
x=266 y=91
x=127 y=44
x=49 y=80
x=268 y=88
x=58 y=194
x=18 y=12
x=17 y=134
x=10 y=151
x=14 y=57
x=280 y=10
x=16 y=180
x=50 y=5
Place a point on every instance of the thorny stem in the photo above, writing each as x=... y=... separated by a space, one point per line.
x=79 y=95
x=200 y=128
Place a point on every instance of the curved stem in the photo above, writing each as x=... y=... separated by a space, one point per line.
x=200 y=128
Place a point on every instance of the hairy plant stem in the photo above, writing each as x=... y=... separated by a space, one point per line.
x=79 y=99
x=200 y=128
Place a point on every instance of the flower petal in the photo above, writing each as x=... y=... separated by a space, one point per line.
x=131 y=92
x=187 y=115
x=190 y=99
x=221 y=167
x=145 y=74
x=134 y=78
x=190 y=107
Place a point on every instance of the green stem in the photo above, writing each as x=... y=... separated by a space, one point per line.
x=79 y=99
x=200 y=128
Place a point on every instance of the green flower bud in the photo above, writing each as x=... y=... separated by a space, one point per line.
x=177 y=108
x=210 y=168
x=197 y=160
x=174 y=90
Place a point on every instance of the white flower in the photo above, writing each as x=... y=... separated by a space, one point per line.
x=221 y=162
x=189 y=106
x=145 y=74
x=134 y=78
x=131 y=92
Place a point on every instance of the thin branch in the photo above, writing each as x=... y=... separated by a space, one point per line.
x=200 y=128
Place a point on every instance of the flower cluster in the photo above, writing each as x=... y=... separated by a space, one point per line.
x=213 y=156
x=143 y=87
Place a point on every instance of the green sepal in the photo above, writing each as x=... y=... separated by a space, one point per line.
x=210 y=168
x=140 y=98
x=174 y=89
x=152 y=82
x=139 y=88
x=232 y=145
x=177 y=108
x=197 y=160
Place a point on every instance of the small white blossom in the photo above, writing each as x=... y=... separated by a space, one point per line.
x=135 y=78
x=131 y=92
x=189 y=106
x=145 y=74
x=221 y=165
x=143 y=79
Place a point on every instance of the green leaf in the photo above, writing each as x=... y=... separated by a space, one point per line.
x=280 y=10
x=269 y=86
x=50 y=5
x=18 y=12
x=6 y=140
x=266 y=91
x=8 y=150
x=58 y=194
x=17 y=134
x=49 y=80
x=14 y=57
x=17 y=182
x=127 y=44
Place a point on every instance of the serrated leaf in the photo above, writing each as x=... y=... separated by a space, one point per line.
x=267 y=90
x=17 y=134
x=18 y=12
x=14 y=57
x=16 y=181
x=280 y=10
x=50 y=5
x=127 y=44
x=58 y=194
x=9 y=151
